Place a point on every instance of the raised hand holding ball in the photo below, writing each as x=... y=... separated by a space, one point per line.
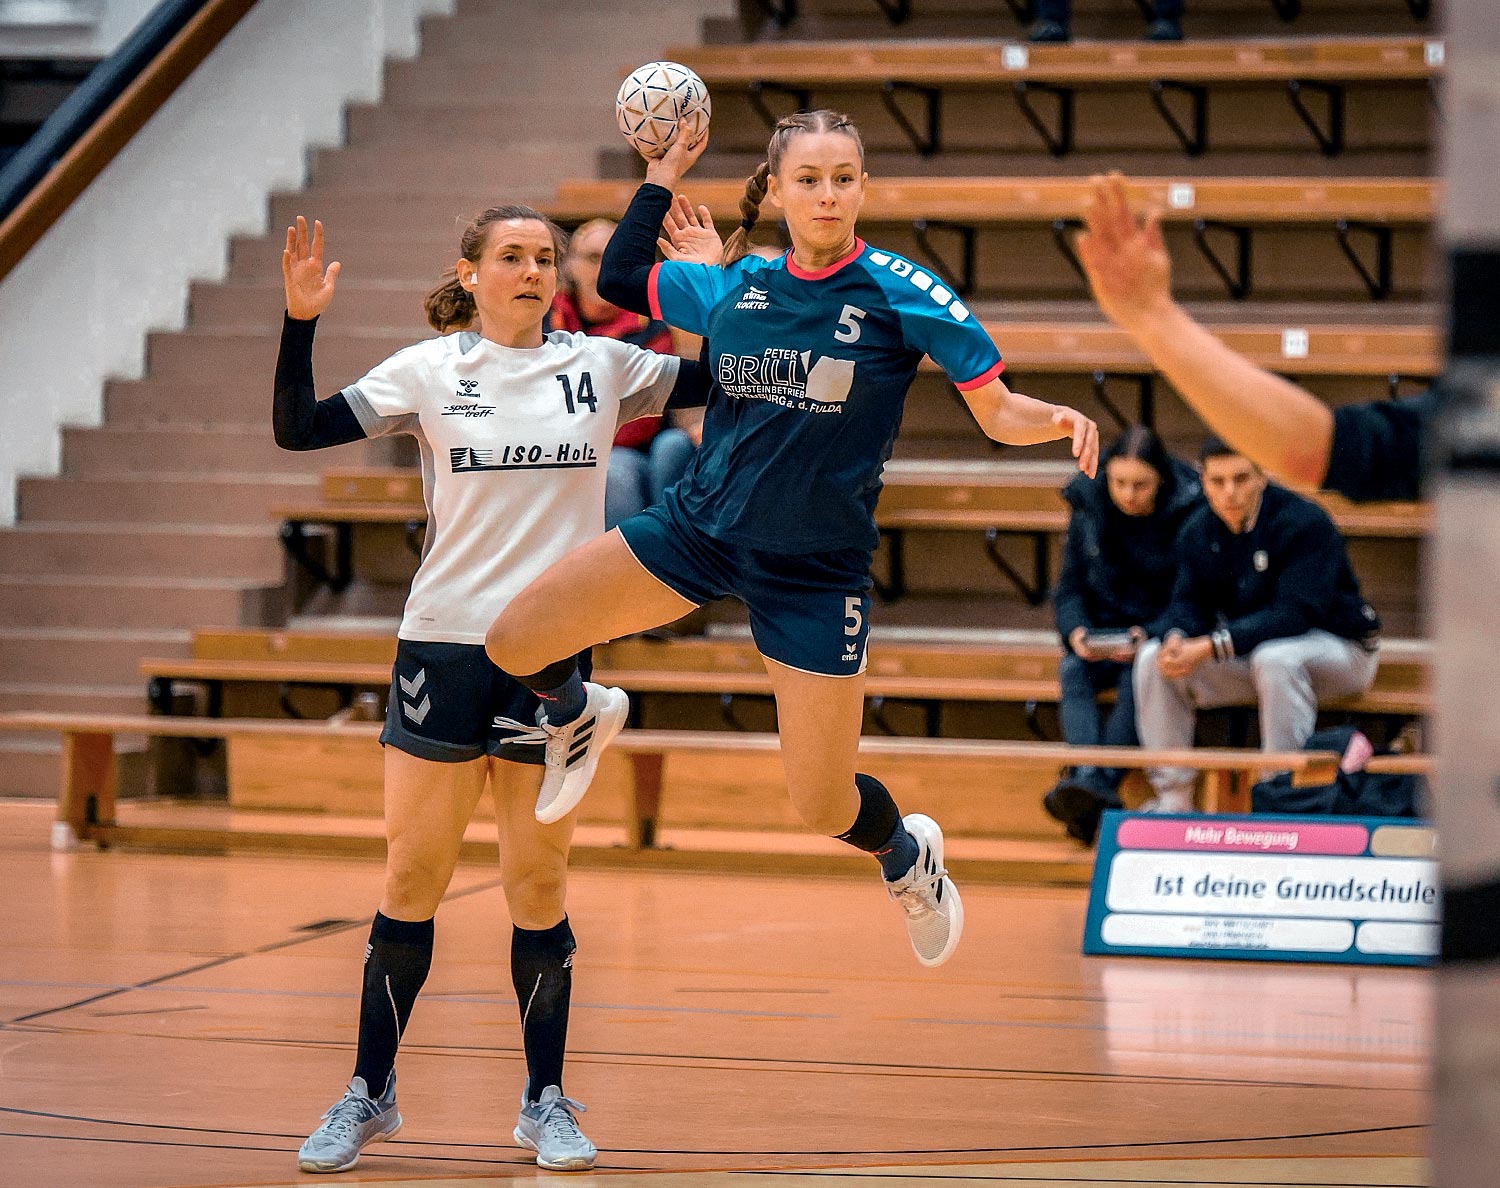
x=659 y=102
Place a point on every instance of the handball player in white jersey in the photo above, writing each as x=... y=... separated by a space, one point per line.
x=514 y=428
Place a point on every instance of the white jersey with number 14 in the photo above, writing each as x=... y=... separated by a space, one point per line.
x=515 y=446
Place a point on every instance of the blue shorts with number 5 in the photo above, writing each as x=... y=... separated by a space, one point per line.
x=809 y=611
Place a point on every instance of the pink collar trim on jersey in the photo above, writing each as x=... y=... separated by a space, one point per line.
x=803 y=274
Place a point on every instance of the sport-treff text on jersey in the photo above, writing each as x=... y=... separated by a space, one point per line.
x=514 y=444
x=810 y=373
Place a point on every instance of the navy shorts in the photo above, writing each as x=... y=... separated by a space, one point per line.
x=450 y=704
x=808 y=611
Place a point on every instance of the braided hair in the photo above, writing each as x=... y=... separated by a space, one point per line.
x=755 y=185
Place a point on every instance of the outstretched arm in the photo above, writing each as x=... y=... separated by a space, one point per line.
x=625 y=270
x=299 y=420
x=1282 y=427
x=1023 y=420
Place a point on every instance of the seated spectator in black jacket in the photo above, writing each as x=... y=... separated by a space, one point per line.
x=1118 y=569
x=1266 y=609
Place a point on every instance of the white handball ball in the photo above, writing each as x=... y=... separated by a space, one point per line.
x=653 y=99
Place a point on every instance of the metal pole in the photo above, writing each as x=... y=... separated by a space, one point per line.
x=1464 y=592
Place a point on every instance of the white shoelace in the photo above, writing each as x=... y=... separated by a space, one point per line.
x=917 y=894
x=527 y=734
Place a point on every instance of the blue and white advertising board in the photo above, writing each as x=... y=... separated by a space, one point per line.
x=1265 y=888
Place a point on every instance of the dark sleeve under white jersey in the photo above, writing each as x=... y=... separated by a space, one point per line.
x=299 y=420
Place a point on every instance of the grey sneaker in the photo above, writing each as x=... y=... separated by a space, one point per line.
x=573 y=750
x=934 y=912
x=549 y=1128
x=354 y=1122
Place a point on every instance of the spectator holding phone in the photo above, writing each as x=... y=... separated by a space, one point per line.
x=1119 y=565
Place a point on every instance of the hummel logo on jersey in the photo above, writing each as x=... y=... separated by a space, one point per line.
x=754 y=298
x=468 y=389
x=920 y=280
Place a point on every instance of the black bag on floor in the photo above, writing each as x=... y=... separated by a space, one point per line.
x=1352 y=794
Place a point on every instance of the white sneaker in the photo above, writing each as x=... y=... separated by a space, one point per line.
x=550 y=1128
x=934 y=912
x=1168 y=802
x=351 y=1124
x=573 y=750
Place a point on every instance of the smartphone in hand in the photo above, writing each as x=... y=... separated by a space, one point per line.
x=1112 y=645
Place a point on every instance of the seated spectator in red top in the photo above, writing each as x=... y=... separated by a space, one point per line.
x=650 y=454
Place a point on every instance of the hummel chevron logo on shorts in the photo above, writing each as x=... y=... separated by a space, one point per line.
x=417 y=712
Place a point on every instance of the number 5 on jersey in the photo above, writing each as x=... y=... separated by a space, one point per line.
x=585 y=393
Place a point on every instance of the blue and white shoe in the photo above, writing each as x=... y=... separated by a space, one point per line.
x=934 y=912
x=351 y=1124
x=550 y=1128
x=573 y=750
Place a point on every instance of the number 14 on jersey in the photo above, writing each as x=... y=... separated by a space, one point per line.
x=584 y=395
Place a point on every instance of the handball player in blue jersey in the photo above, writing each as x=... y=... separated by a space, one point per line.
x=811 y=356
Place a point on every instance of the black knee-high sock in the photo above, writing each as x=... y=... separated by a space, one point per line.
x=878 y=830
x=560 y=689
x=396 y=963
x=541 y=966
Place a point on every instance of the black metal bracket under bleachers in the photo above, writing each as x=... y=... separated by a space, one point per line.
x=294 y=541
x=929 y=140
x=1236 y=276
x=1033 y=587
x=1057 y=138
x=898 y=12
x=931 y=715
x=1036 y=588
x=1062 y=239
x=755 y=92
x=1145 y=397
x=1329 y=133
x=1377 y=279
x=1193 y=138
x=960 y=279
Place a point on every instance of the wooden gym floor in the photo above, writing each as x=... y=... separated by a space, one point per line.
x=183 y=1020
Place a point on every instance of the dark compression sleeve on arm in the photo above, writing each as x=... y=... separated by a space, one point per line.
x=299 y=419
x=631 y=252
x=691 y=388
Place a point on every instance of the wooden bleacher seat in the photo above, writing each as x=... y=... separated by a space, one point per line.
x=86 y=796
x=1012 y=496
x=991 y=200
x=848 y=64
x=1004 y=666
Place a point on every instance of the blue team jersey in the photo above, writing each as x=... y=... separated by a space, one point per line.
x=810 y=374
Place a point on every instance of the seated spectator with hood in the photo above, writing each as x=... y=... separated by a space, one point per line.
x=1119 y=565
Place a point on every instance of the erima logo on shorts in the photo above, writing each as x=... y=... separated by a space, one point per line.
x=753 y=298
x=922 y=281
